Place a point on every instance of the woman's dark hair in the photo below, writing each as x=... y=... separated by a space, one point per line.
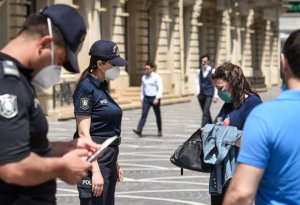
x=37 y=24
x=238 y=84
x=93 y=64
x=291 y=51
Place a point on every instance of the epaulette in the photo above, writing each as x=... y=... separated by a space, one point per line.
x=9 y=68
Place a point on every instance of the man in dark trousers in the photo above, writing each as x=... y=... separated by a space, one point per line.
x=205 y=89
x=151 y=93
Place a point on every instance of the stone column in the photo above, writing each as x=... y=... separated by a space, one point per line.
x=118 y=36
x=193 y=51
x=247 y=50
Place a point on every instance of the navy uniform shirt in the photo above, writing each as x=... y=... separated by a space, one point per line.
x=237 y=117
x=91 y=98
x=23 y=129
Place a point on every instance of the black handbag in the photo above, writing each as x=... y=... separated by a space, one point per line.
x=189 y=155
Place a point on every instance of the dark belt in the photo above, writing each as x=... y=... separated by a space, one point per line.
x=100 y=140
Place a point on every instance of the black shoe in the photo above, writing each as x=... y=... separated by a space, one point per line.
x=139 y=133
x=159 y=134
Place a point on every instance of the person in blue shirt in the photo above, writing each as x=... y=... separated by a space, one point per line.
x=151 y=93
x=239 y=98
x=99 y=117
x=269 y=160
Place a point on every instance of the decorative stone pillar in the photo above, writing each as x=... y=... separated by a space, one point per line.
x=223 y=48
x=270 y=15
x=247 y=49
x=193 y=47
x=118 y=36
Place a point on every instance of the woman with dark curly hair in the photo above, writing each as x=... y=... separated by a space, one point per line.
x=239 y=99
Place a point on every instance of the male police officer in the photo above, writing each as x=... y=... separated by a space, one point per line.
x=51 y=37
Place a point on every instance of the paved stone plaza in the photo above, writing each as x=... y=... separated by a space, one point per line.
x=150 y=178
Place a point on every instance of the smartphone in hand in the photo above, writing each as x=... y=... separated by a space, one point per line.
x=101 y=150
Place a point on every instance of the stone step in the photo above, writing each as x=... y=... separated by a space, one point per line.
x=67 y=112
x=122 y=100
x=133 y=90
x=175 y=100
x=131 y=94
x=166 y=101
x=130 y=99
x=61 y=113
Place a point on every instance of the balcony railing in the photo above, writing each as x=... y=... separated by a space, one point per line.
x=62 y=94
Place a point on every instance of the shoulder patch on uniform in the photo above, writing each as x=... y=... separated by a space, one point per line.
x=10 y=68
x=8 y=106
x=84 y=103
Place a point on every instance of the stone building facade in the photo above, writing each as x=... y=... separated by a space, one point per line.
x=171 y=33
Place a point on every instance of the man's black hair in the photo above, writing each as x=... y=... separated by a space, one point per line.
x=204 y=56
x=291 y=51
x=150 y=63
x=37 y=24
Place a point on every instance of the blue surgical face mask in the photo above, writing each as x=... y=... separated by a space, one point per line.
x=223 y=94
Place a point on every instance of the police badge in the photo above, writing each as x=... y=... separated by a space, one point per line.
x=8 y=106
x=116 y=50
x=84 y=103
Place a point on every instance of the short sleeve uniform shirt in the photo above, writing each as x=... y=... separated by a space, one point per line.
x=23 y=129
x=92 y=98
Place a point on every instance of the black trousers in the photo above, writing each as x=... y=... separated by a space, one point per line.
x=147 y=104
x=109 y=173
x=25 y=201
x=217 y=199
x=205 y=102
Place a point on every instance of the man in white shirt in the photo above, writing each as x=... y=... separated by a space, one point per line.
x=205 y=89
x=151 y=93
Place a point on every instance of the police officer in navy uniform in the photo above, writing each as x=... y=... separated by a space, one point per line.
x=29 y=164
x=99 y=117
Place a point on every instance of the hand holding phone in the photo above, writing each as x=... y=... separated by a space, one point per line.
x=100 y=151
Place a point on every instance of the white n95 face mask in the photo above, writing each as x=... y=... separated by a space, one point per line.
x=112 y=73
x=50 y=74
